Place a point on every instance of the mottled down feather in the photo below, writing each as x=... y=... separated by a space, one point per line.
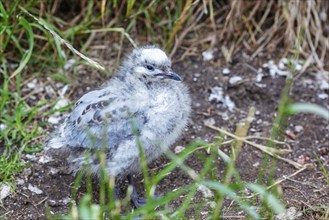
x=135 y=104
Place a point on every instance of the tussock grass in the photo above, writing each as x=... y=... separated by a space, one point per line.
x=255 y=26
x=264 y=25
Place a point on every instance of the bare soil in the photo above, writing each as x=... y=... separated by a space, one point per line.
x=304 y=191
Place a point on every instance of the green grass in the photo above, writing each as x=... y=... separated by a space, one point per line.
x=158 y=208
x=323 y=169
x=26 y=42
x=22 y=124
x=9 y=165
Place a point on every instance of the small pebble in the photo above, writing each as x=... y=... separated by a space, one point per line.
x=69 y=64
x=324 y=85
x=323 y=96
x=44 y=159
x=33 y=97
x=229 y=103
x=197 y=104
x=61 y=103
x=225 y=116
x=281 y=65
x=52 y=203
x=259 y=77
x=216 y=94
x=208 y=55
x=285 y=60
x=34 y=189
x=4 y=191
x=20 y=181
x=272 y=72
x=64 y=89
x=206 y=192
x=298 y=128
x=59 y=85
x=53 y=171
x=226 y=71
x=290 y=214
x=31 y=157
x=66 y=200
x=265 y=65
x=32 y=85
x=178 y=149
x=298 y=67
x=211 y=204
x=27 y=172
x=261 y=85
x=54 y=120
x=235 y=79
x=209 y=121
x=50 y=90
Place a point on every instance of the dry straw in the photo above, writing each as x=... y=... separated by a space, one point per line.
x=301 y=27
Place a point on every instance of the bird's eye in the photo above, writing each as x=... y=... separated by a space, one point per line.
x=150 y=67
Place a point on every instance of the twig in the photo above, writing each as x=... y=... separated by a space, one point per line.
x=279 y=181
x=42 y=201
x=271 y=151
x=287 y=177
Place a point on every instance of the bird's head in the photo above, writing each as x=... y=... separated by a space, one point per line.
x=150 y=63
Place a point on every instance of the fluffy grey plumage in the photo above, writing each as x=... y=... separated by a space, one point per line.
x=145 y=99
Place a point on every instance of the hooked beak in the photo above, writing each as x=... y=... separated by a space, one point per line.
x=170 y=75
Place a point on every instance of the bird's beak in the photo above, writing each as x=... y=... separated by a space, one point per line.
x=172 y=75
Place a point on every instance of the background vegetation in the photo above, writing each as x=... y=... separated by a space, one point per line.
x=29 y=51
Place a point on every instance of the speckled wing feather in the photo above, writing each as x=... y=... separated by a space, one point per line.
x=108 y=120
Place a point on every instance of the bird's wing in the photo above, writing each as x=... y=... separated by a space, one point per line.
x=101 y=117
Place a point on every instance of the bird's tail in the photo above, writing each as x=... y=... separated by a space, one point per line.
x=55 y=144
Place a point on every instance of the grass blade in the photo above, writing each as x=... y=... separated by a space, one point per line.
x=27 y=56
x=307 y=108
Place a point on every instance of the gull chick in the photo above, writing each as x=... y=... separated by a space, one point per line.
x=145 y=102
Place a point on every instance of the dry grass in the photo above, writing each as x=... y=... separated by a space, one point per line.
x=294 y=25
x=299 y=26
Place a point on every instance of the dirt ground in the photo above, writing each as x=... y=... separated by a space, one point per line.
x=44 y=185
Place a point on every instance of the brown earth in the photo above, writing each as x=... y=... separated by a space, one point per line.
x=304 y=191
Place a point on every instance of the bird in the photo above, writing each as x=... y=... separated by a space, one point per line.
x=145 y=102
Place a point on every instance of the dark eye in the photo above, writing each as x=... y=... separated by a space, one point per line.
x=150 y=67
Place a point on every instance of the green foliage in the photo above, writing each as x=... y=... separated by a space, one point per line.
x=323 y=169
x=20 y=122
x=158 y=208
x=9 y=165
x=271 y=202
x=19 y=128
